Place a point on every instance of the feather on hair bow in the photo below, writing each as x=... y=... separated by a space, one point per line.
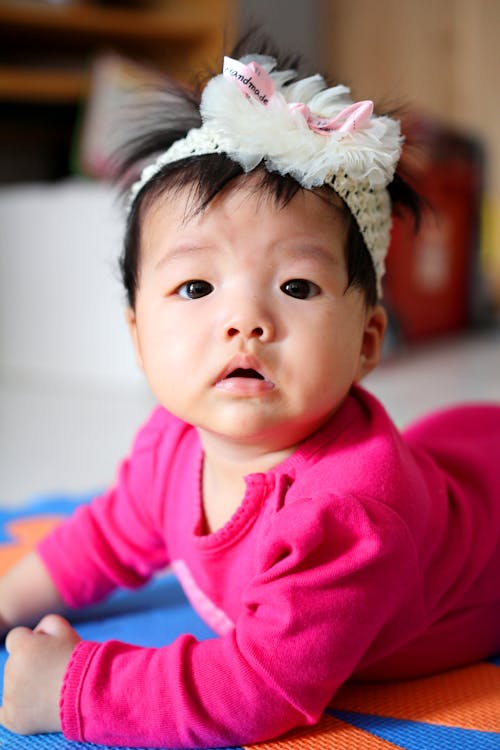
x=255 y=82
x=297 y=126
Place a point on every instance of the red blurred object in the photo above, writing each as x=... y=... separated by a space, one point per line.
x=431 y=275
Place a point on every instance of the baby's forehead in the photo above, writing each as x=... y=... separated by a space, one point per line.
x=245 y=221
x=267 y=193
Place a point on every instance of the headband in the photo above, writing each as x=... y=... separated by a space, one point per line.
x=256 y=114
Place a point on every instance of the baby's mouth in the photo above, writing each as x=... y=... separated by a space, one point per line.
x=243 y=377
x=241 y=372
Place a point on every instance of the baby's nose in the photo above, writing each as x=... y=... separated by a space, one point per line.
x=257 y=332
x=250 y=325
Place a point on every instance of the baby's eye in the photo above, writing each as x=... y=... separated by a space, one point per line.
x=195 y=289
x=300 y=288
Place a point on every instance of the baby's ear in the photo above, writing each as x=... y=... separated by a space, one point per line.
x=373 y=339
x=132 y=327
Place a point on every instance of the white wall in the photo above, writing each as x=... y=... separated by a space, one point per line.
x=71 y=395
x=61 y=302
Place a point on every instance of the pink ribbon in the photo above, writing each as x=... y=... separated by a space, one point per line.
x=256 y=83
x=252 y=79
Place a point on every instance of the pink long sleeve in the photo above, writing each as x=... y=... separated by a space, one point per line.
x=273 y=670
x=114 y=542
x=341 y=560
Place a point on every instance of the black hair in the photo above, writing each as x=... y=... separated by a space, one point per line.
x=177 y=111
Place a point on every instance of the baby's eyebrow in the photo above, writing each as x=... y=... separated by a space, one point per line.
x=304 y=250
x=311 y=252
x=180 y=252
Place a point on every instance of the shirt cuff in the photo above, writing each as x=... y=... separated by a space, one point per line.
x=69 y=704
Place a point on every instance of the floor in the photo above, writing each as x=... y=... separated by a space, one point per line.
x=67 y=440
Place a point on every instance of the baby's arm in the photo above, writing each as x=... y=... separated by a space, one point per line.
x=26 y=594
x=37 y=659
x=112 y=542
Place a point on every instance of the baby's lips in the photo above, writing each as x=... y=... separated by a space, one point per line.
x=243 y=366
x=244 y=386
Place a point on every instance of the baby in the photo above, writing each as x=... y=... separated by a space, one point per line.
x=318 y=541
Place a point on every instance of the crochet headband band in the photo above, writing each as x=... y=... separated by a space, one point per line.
x=256 y=114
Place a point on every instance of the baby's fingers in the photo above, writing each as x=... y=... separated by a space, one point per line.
x=11 y=713
x=57 y=626
x=16 y=638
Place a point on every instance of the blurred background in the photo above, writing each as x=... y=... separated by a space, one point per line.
x=71 y=397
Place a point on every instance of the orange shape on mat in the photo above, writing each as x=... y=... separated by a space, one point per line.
x=468 y=698
x=329 y=734
x=25 y=533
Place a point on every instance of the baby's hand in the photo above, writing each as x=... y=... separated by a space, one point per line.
x=34 y=674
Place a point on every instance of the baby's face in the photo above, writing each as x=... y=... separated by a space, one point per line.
x=243 y=324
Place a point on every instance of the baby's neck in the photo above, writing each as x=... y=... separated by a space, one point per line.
x=224 y=472
x=231 y=461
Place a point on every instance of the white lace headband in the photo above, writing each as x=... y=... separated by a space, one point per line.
x=255 y=113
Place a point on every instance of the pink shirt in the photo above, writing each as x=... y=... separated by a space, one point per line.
x=364 y=553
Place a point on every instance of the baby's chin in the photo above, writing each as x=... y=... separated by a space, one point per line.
x=258 y=434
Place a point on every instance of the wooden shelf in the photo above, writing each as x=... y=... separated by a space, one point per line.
x=47 y=52
x=37 y=85
x=45 y=48
x=173 y=22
